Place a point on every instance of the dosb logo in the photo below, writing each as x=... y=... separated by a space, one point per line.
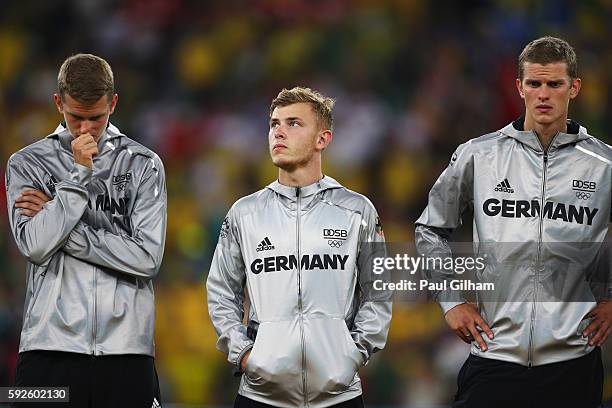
x=335 y=237
x=584 y=185
x=583 y=188
x=334 y=233
x=121 y=180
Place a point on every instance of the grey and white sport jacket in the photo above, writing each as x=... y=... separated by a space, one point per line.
x=298 y=252
x=93 y=249
x=539 y=219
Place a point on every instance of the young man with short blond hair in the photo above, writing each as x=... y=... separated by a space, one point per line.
x=298 y=248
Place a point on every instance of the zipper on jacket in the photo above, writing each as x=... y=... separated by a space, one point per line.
x=300 y=305
x=540 y=233
x=94 y=323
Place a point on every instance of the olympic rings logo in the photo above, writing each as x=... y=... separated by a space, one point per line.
x=335 y=243
x=582 y=195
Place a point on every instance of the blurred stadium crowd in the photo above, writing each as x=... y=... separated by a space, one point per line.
x=412 y=80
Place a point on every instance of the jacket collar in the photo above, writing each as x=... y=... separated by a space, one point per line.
x=516 y=130
x=105 y=142
x=325 y=183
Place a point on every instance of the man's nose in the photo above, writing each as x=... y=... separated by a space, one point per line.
x=85 y=127
x=544 y=93
x=279 y=132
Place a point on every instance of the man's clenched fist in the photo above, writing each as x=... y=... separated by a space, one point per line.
x=84 y=148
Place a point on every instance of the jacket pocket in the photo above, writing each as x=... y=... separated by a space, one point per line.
x=38 y=278
x=332 y=358
x=274 y=367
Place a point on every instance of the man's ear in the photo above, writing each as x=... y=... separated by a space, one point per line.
x=575 y=88
x=324 y=137
x=519 y=87
x=113 y=103
x=58 y=103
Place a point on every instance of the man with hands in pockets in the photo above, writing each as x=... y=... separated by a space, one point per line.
x=299 y=248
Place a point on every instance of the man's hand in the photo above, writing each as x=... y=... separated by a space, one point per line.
x=601 y=325
x=464 y=320
x=31 y=202
x=244 y=360
x=84 y=148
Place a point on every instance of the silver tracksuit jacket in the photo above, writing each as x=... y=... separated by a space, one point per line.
x=93 y=249
x=508 y=178
x=297 y=251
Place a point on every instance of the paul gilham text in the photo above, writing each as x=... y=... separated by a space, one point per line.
x=424 y=284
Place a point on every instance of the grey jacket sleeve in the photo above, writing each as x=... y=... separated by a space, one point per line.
x=225 y=291
x=139 y=254
x=373 y=317
x=449 y=197
x=39 y=237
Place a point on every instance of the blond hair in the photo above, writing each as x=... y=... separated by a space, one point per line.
x=321 y=104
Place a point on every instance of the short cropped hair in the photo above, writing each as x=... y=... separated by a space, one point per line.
x=321 y=104
x=86 y=78
x=549 y=50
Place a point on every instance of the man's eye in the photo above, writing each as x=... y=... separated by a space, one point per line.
x=294 y=123
x=534 y=84
x=554 y=84
x=273 y=125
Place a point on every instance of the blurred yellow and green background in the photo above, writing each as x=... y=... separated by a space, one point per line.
x=412 y=80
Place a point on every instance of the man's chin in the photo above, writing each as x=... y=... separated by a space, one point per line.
x=549 y=116
x=546 y=120
x=283 y=164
